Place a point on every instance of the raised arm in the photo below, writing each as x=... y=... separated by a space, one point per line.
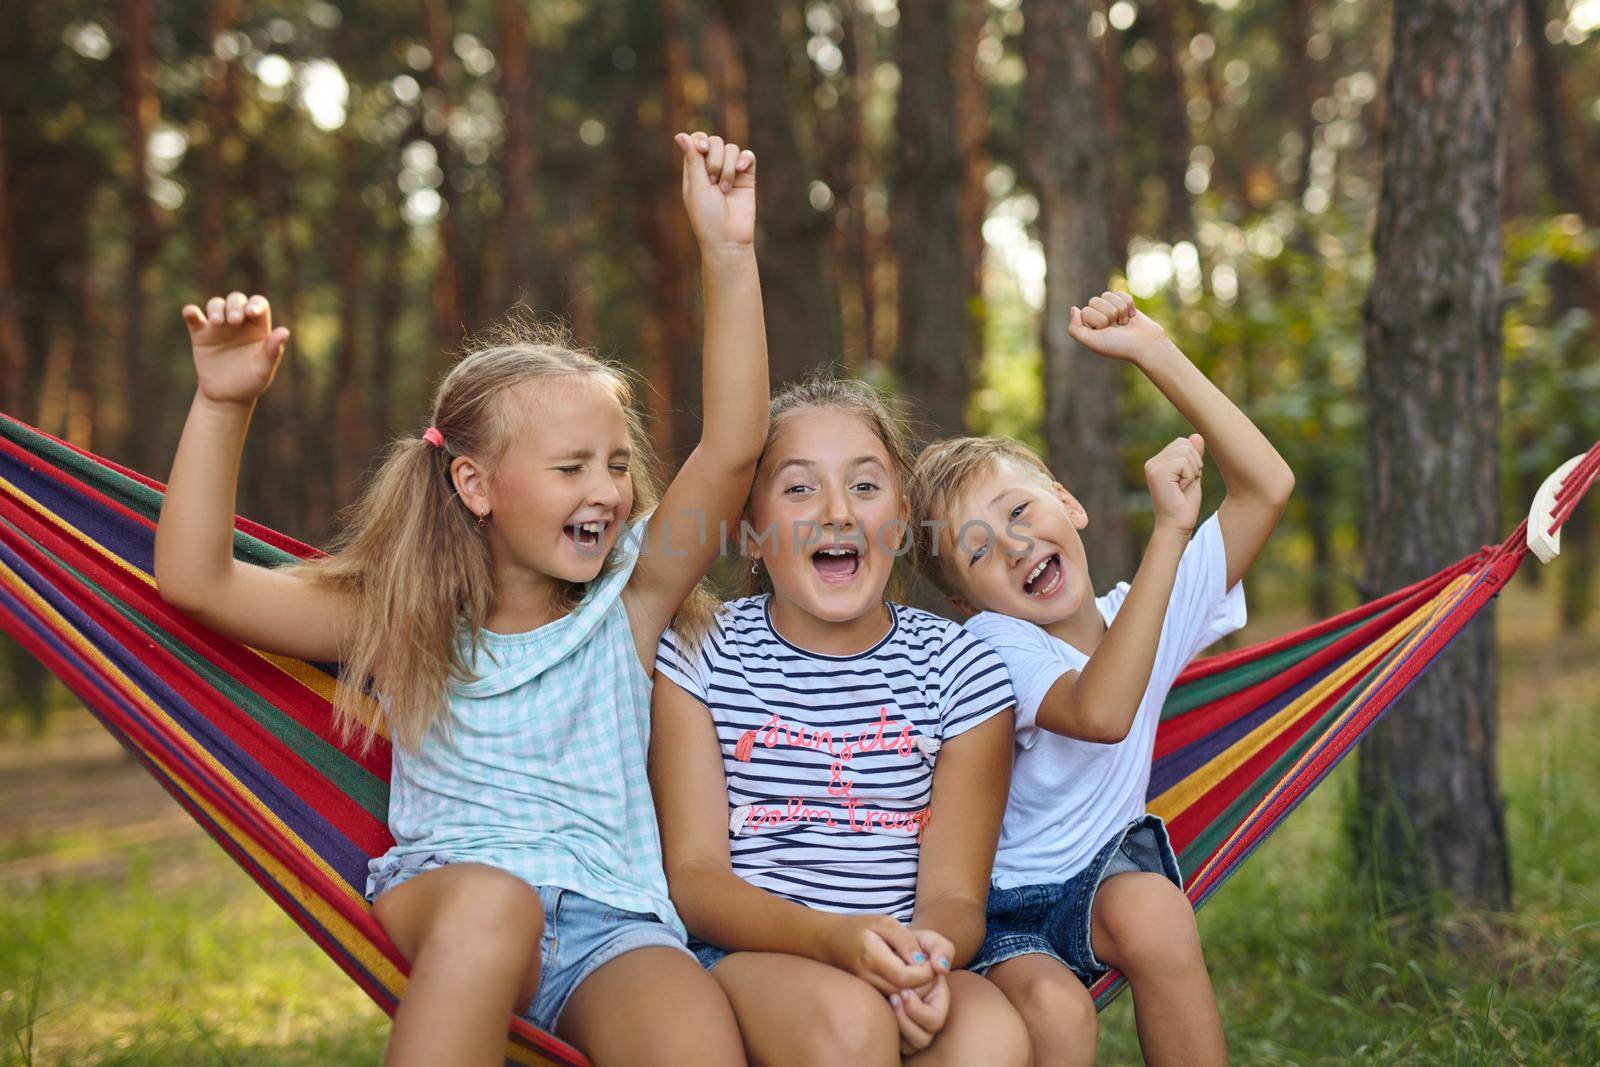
x=1258 y=480
x=1100 y=702
x=718 y=906
x=682 y=540
x=236 y=354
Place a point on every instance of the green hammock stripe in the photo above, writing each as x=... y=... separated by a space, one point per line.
x=352 y=779
x=1211 y=838
x=135 y=495
x=1195 y=694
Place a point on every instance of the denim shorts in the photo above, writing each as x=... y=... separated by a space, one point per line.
x=1055 y=918
x=708 y=954
x=581 y=935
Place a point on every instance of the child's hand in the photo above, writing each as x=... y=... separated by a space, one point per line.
x=1111 y=326
x=881 y=952
x=936 y=948
x=921 y=1016
x=719 y=190
x=236 y=350
x=1174 y=478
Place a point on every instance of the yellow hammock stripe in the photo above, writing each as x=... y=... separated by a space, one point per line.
x=1175 y=801
x=1440 y=605
x=60 y=626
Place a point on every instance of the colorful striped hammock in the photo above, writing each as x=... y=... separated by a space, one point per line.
x=241 y=739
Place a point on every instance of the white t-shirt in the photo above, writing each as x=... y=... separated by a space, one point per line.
x=829 y=759
x=1068 y=797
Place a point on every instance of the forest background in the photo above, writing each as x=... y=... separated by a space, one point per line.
x=938 y=180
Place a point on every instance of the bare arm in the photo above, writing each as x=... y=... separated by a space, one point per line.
x=236 y=355
x=1258 y=480
x=1099 y=703
x=683 y=538
x=717 y=905
x=970 y=782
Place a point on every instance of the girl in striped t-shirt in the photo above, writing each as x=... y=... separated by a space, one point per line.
x=830 y=768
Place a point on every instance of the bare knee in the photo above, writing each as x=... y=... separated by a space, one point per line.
x=1147 y=926
x=850 y=1022
x=983 y=1027
x=487 y=915
x=1057 y=1010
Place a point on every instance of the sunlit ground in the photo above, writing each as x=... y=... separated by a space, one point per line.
x=127 y=937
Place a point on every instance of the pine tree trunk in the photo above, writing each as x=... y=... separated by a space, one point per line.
x=448 y=306
x=140 y=112
x=676 y=288
x=972 y=137
x=514 y=239
x=1431 y=817
x=802 y=324
x=1069 y=169
x=344 y=422
x=932 y=358
x=13 y=345
x=222 y=92
x=1173 y=121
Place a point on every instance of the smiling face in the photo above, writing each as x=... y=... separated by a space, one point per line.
x=828 y=507
x=1012 y=546
x=556 y=498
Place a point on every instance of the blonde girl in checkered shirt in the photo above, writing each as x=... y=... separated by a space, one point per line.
x=501 y=588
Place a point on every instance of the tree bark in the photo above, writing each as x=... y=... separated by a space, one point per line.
x=1431 y=817
x=1173 y=120
x=972 y=137
x=448 y=307
x=343 y=419
x=1068 y=167
x=13 y=344
x=675 y=289
x=931 y=360
x=514 y=237
x=222 y=84
x=802 y=323
x=141 y=109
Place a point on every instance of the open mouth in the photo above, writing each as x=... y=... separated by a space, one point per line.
x=836 y=564
x=1045 y=578
x=585 y=535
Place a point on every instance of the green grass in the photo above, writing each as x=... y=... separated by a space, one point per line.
x=179 y=960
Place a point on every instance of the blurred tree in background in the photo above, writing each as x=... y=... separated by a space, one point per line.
x=394 y=175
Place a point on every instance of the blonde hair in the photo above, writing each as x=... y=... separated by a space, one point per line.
x=944 y=471
x=412 y=555
x=821 y=390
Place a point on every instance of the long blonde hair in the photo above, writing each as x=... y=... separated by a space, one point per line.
x=822 y=390
x=412 y=554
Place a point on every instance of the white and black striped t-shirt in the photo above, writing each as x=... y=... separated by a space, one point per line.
x=829 y=759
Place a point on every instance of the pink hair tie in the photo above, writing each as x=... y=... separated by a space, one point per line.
x=433 y=437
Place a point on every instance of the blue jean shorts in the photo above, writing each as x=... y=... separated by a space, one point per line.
x=1055 y=918
x=581 y=935
x=708 y=954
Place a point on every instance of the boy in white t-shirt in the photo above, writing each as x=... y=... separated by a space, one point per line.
x=1084 y=878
